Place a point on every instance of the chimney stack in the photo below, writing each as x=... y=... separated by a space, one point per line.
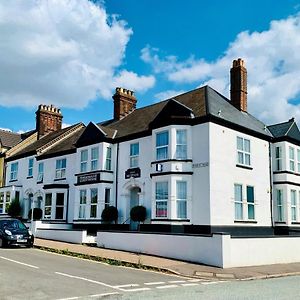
x=48 y=119
x=238 y=85
x=124 y=103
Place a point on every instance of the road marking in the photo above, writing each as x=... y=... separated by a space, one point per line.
x=72 y=298
x=127 y=285
x=167 y=286
x=154 y=283
x=88 y=280
x=177 y=281
x=195 y=280
x=210 y=282
x=104 y=295
x=20 y=263
x=189 y=284
x=135 y=290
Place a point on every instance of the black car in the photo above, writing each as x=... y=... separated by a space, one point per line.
x=14 y=232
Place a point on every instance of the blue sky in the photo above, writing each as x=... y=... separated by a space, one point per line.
x=73 y=53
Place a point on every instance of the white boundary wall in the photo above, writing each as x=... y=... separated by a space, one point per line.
x=202 y=249
x=217 y=250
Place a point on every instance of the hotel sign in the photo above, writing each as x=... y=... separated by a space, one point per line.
x=134 y=172
x=88 y=178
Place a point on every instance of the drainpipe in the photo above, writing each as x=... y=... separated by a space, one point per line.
x=117 y=172
x=271 y=185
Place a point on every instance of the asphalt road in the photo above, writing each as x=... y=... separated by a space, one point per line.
x=35 y=274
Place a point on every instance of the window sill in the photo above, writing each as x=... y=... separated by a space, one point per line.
x=171 y=160
x=13 y=180
x=39 y=182
x=246 y=221
x=280 y=222
x=295 y=223
x=244 y=167
x=58 y=179
x=171 y=220
x=29 y=177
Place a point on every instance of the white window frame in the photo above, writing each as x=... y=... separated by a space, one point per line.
x=60 y=205
x=278 y=158
x=162 y=199
x=30 y=167
x=40 y=176
x=107 y=195
x=279 y=205
x=60 y=171
x=82 y=204
x=292 y=158
x=84 y=160
x=92 y=203
x=14 y=173
x=181 y=147
x=293 y=205
x=298 y=160
x=181 y=200
x=48 y=216
x=238 y=202
x=94 y=158
x=163 y=146
x=250 y=204
x=134 y=156
x=242 y=152
x=108 y=159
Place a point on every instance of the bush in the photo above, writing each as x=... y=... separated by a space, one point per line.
x=138 y=213
x=109 y=214
x=14 y=209
x=37 y=214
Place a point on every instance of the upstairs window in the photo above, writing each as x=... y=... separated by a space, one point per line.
x=298 y=161
x=243 y=151
x=181 y=144
x=83 y=160
x=14 y=171
x=60 y=171
x=162 y=145
x=292 y=158
x=40 y=176
x=278 y=158
x=30 y=167
x=108 y=159
x=134 y=155
x=94 y=158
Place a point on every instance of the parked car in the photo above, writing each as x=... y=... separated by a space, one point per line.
x=14 y=232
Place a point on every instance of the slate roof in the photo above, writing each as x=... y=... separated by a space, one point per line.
x=9 y=139
x=203 y=101
x=287 y=129
x=32 y=148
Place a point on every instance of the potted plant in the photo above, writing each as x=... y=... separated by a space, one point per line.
x=14 y=209
x=138 y=214
x=109 y=214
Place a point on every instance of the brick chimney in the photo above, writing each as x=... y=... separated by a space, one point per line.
x=48 y=119
x=124 y=103
x=238 y=85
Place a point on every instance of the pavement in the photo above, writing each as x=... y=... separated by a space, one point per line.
x=175 y=266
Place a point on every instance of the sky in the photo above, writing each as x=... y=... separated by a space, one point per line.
x=74 y=53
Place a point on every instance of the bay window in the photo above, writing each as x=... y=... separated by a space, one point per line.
x=162 y=145
x=279 y=205
x=94 y=158
x=161 y=199
x=293 y=206
x=278 y=158
x=82 y=204
x=48 y=206
x=181 y=144
x=94 y=203
x=292 y=158
x=108 y=159
x=181 y=199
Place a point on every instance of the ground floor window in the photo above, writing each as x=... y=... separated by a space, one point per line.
x=48 y=206
x=238 y=201
x=82 y=204
x=279 y=205
x=181 y=199
x=161 y=199
x=94 y=203
x=244 y=207
x=250 y=203
x=107 y=198
x=293 y=205
x=59 y=211
x=2 y=206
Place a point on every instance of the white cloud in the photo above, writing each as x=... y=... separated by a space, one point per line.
x=167 y=94
x=273 y=62
x=64 y=52
x=6 y=129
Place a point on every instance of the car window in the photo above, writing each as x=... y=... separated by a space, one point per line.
x=15 y=224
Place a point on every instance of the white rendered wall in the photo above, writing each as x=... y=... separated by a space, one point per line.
x=224 y=174
x=200 y=249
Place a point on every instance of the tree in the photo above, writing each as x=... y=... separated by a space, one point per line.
x=37 y=214
x=138 y=213
x=14 y=209
x=109 y=214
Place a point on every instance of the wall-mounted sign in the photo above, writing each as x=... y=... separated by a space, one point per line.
x=88 y=178
x=200 y=165
x=134 y=172
x=159 y=167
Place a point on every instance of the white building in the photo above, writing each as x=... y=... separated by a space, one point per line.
x=199 y=163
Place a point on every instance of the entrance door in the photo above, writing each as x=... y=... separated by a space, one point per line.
x=134 y=201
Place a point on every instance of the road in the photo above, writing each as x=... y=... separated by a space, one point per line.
x=35 y=274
